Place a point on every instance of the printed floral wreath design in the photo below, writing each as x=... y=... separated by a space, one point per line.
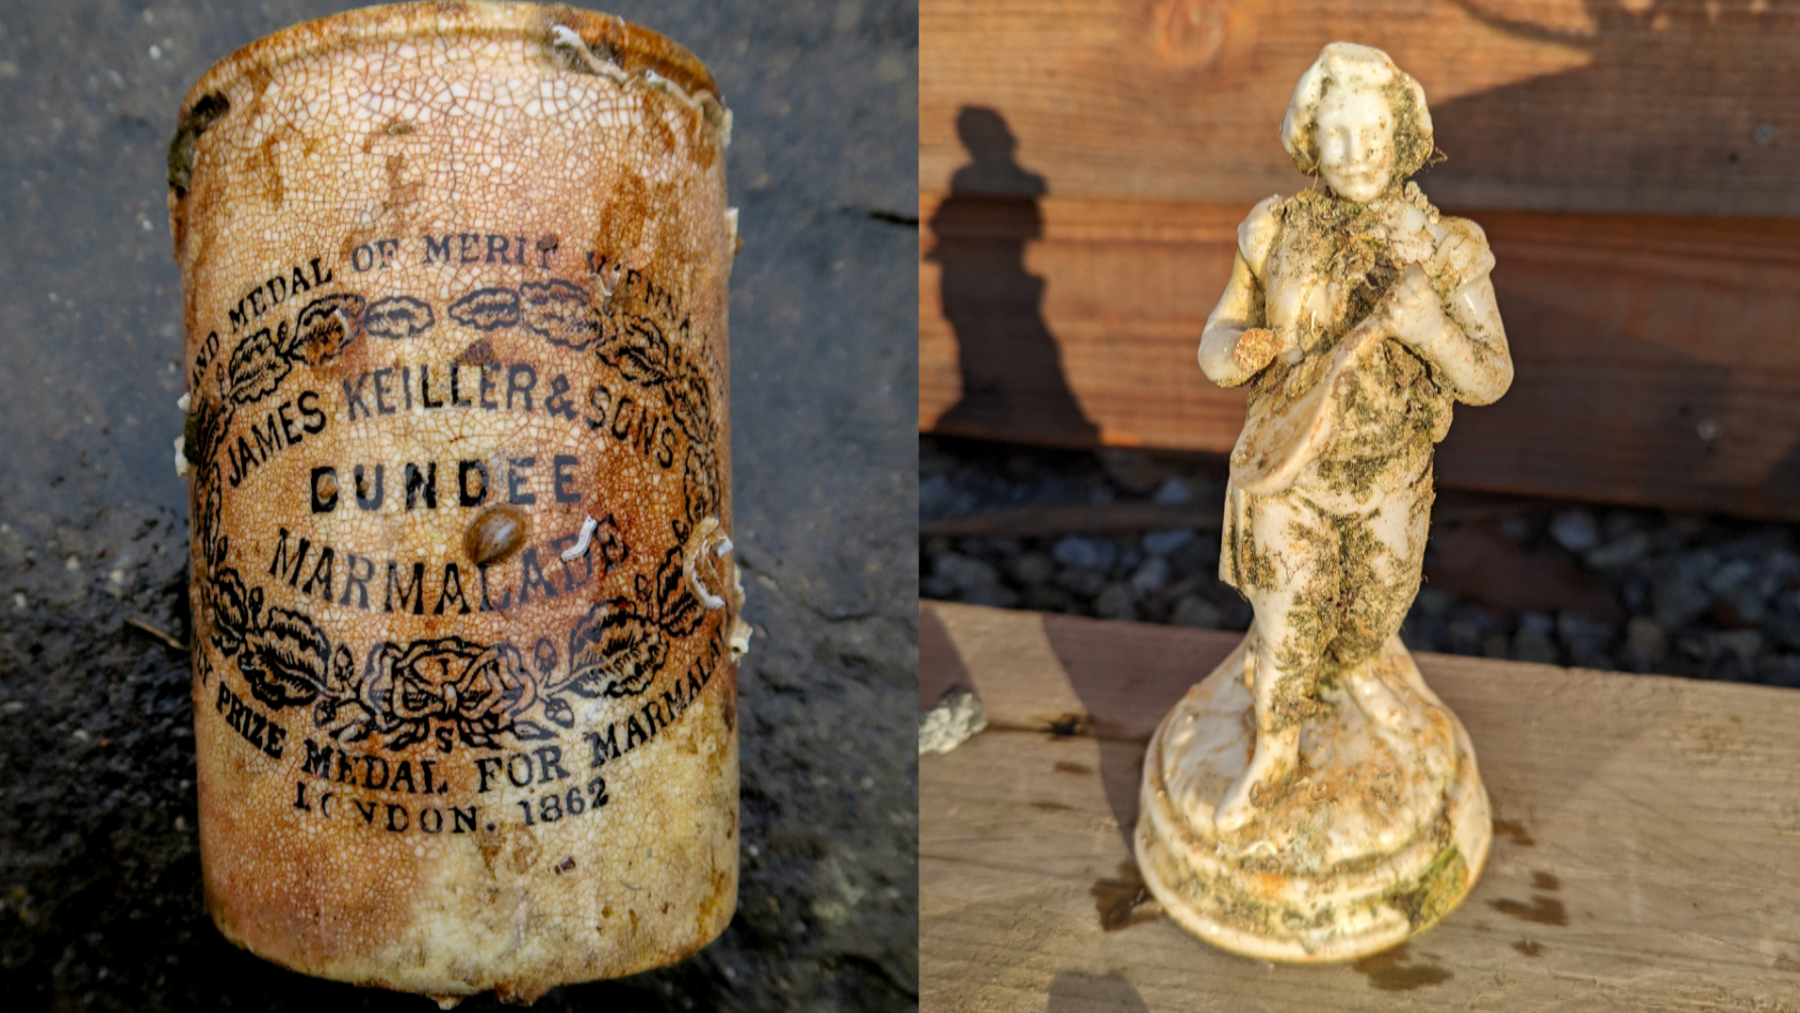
x=451 y=689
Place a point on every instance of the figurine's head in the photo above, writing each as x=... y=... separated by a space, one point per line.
x=1358 y=121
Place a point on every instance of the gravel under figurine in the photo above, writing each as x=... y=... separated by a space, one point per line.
x=1311 y=799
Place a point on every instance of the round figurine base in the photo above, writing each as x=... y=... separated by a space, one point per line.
x=1381 y=830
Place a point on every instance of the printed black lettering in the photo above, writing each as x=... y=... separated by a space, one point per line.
x=287 y=424
x=414 y=590
x=321 y=575
x=561 y=464
x=278 y=564
x=312 y=417
x=604 y=749
x=358 y=579
x=513 y=386
x=318 y=760
x=512 y=769
x=421 y=485
x=370 y=766
x=425 y=387
x=532 y=576
x=465 y=496
x=381 y=405
x=516 y=478
x=324 y=489
x=364 y=499
x=487 y=387
x=456 y=399
x=353 y=397
x=451 y=592
x=550 y=762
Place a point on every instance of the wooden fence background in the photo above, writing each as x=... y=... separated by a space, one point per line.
x=1084 y=165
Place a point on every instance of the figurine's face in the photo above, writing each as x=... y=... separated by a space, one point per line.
x=1354 y=129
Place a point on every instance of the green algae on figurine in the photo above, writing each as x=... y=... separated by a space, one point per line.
x=1312 y=800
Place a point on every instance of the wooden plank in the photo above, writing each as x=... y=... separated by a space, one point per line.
x=1655 y=357
x=1646 y=856
x=1681 y=107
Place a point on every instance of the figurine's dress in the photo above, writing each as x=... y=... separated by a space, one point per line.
x=1362 y=505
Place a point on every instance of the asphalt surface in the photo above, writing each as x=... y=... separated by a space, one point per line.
x=100 y=898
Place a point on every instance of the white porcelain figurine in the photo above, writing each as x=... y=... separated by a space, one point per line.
x=1311 y=799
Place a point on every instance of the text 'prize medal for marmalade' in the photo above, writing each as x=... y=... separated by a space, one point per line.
x=466 y=622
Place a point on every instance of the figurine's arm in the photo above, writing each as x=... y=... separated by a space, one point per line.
x=1235 y=345
x=1460 y=334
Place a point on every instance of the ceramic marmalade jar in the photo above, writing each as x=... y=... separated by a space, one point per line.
x=466 y=618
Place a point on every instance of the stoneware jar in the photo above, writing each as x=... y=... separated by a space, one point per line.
x=466 y=622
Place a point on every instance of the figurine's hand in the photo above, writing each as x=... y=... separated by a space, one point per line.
x=1411 y=310
x=1255 y=348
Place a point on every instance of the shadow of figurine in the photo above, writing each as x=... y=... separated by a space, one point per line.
x=1012 y=374
x=1081 y=992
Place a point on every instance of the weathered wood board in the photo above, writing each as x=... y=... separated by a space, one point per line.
x=1632 y=161
x=1656 y=358
x=1681 y=107
x=1646 y=854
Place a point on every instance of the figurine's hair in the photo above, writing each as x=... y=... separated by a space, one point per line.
x=1337 y=64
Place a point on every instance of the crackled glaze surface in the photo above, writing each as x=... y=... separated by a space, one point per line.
x=1335 y=807
x=466 y=618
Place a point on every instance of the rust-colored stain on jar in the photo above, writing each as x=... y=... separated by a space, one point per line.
x=454 y=280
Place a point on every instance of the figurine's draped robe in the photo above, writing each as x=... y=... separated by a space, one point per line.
x=1333 y=561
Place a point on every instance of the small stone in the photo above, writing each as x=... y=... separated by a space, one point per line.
x=1533 y=644
x=1575 y=529
x=1161 y=543
x=1198 y=556
x=956 y=719
x=1676 y=601
x=1048 y=598
x=1086 y=583
x=1114 y=602
x=1433 y=602
x=1622 y=551
x=1730 y=577
x=1779 y=670
x=963 y=572
x=1174 y=490
x=1645 y=645
x=935 y=496
x=1033 y=568
x=1087 y=553
x=1587 y=641
x=1741 y=644
x=1195 y=611
x=1150 y=577
x=992 y=595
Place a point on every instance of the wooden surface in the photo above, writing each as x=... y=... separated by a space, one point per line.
x=1646 y=854
x=1656 y=358
x=1632 y=106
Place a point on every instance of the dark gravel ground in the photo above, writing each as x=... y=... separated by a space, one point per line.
x=100 y=901
x=1531 y=580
